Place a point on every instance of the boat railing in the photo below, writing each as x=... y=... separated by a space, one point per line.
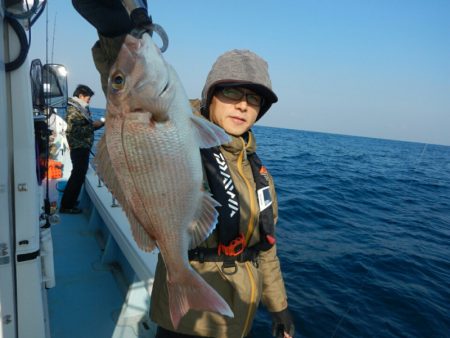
x=104 y=209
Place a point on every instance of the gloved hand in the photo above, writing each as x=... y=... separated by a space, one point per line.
x=140 y=19
x=282 y=323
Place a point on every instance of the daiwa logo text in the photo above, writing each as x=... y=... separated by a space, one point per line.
x=228 y=184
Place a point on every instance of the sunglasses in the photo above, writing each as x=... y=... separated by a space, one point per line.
x=235 y=94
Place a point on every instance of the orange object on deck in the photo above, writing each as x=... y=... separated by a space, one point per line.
x=54 y=169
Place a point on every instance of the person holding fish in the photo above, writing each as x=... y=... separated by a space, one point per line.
x=211 y=213
x=239 y=258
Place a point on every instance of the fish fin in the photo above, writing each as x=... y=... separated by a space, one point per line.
x=105 y=171
x=192 y=292
x=205 y=221
x=143 y=240
x=209 y=135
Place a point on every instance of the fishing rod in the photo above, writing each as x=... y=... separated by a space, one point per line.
x=47 y=206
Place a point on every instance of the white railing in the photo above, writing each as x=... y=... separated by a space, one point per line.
x=134 y=313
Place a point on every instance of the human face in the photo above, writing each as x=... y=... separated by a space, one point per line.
x=235 y=116
x=86 y=99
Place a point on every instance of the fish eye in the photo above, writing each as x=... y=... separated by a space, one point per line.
x=118 y=81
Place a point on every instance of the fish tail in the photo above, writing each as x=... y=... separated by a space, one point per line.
x=194 y=293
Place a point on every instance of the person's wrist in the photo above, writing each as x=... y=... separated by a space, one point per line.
x=282 y=321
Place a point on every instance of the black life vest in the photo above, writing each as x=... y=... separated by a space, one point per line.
x=223 y=190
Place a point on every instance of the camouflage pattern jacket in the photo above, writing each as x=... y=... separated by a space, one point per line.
x=80 y=130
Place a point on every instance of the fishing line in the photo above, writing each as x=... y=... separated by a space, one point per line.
x=53 y=40
x=48 y=81
x=364 y=277
x=46 y=33
x=47 y=136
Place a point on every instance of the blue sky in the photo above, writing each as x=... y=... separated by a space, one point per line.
x=376 y=68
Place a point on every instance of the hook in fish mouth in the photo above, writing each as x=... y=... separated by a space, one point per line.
x=154 y=27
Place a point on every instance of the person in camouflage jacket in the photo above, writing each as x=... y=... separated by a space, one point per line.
x=80 y=136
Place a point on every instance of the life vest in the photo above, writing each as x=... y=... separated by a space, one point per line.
x=223 y=190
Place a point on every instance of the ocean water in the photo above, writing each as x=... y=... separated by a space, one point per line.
x=363 y=234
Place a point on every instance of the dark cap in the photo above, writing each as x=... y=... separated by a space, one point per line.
x=83 y=90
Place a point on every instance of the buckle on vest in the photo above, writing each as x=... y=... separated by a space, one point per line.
x=229 y=267
x=235 y=248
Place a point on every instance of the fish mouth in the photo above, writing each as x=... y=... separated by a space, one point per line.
x=147 y=100
x=144 y=84
x=164 y=89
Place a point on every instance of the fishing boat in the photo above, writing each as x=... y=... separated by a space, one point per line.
x=61 y=276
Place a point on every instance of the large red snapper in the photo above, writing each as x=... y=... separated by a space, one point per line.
x=149 y=158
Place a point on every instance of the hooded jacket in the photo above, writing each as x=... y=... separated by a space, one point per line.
x=250 y=284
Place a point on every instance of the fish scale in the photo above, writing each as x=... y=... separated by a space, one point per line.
x=168 y=174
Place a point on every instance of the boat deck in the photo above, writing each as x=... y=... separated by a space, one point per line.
x=87 y=299
x=103 y=280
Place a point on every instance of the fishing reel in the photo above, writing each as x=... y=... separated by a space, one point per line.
x=48 y=220
x=49 y=216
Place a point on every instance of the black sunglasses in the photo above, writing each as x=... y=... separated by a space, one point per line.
x=236 y=94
